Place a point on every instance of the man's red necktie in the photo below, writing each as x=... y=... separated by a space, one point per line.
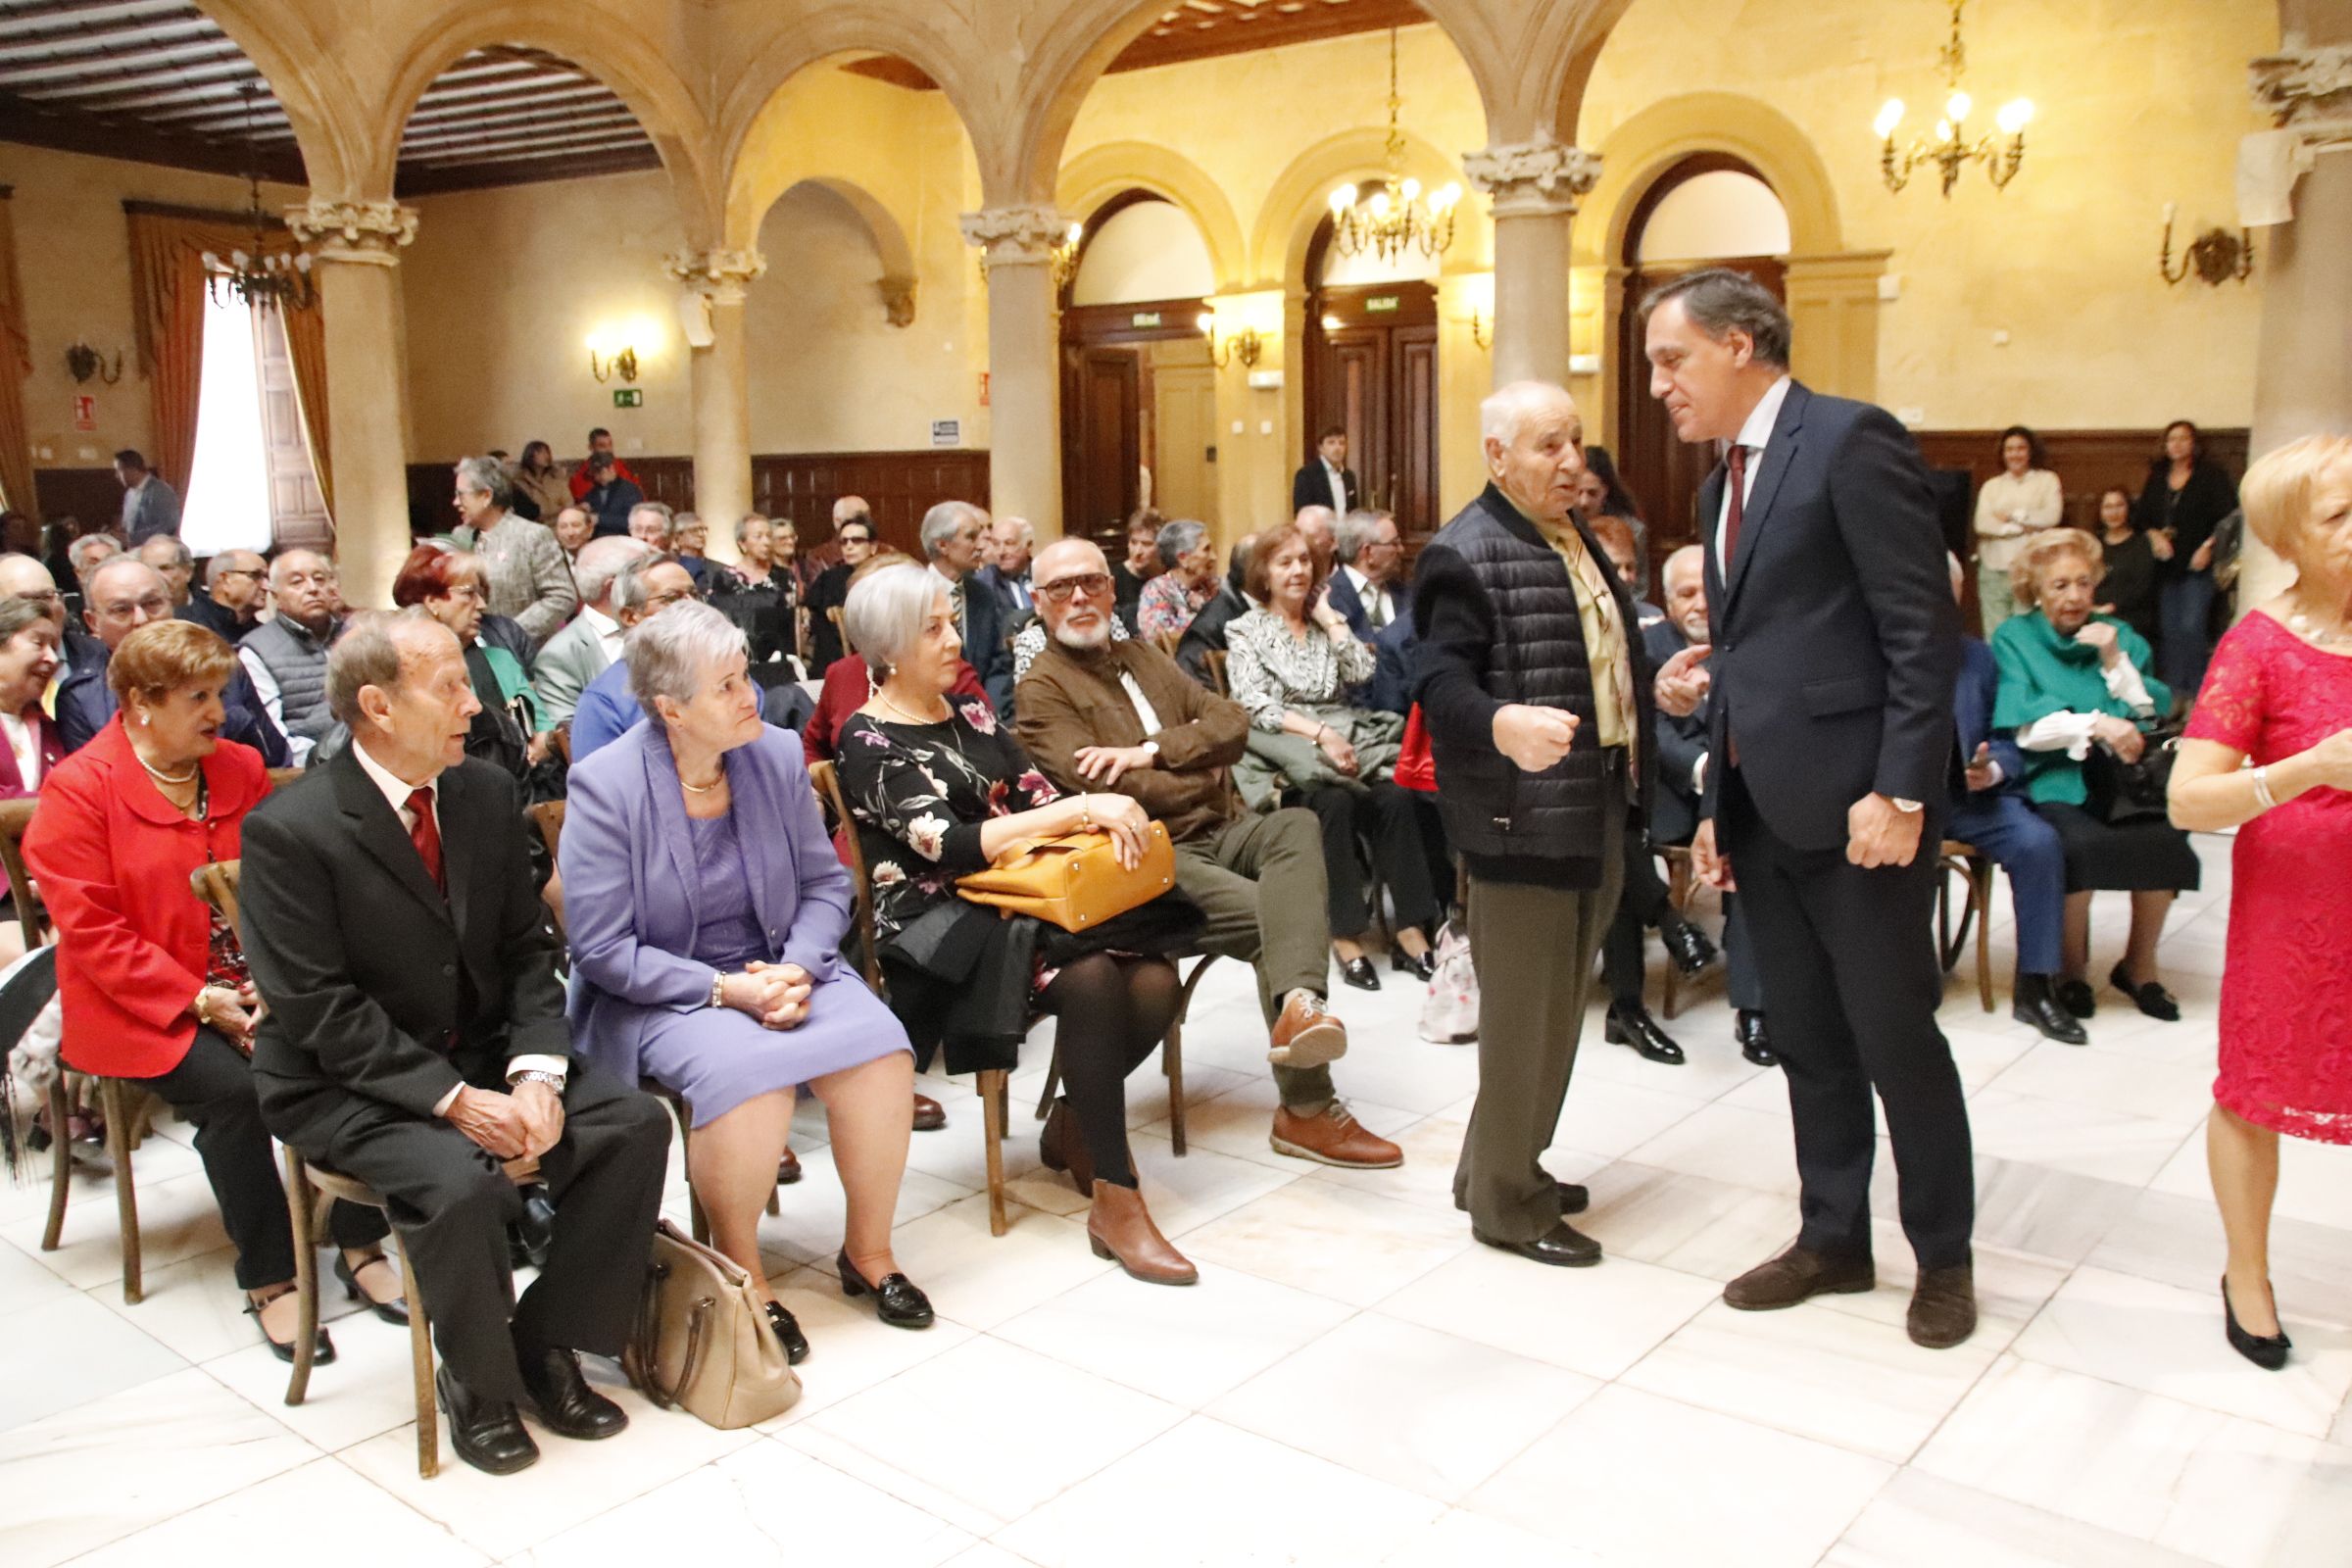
x=426 y=836
x=1731 y=514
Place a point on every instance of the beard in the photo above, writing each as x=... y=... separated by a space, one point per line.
x=1086 y=638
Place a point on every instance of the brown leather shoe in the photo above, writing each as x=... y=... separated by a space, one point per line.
x=1799 y=1275
x=929 y=1116
x=788 y=1169
x=1060 y=1149
x=1334 y=1136
x=1306 y=1035
x=1943 y=1307
x=1120 y=1229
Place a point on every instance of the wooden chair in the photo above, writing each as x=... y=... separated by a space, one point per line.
x=547 y=818
x=280 y=778
x=1166 y=641
x=564 y=741
x=1214 y=662
x=1976 y=872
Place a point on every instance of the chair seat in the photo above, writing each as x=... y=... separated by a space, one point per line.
x=343 y=1188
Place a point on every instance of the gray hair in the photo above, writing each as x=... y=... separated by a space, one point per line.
x=1689 y=557
x=489 y=475
x=78 y=552
x=1503 y=412
x=367 y=654
x=321 y=557
x=221 y=565
x=602 y=560
x=1178 y=538
x=886 y=610
x=1355 y=532
x=164 y=541
x=669 y=653
x=943 y=521
x=750 y=518
x=1717 y=300
x=658 y=509
x=17 y=613
x=630 y=590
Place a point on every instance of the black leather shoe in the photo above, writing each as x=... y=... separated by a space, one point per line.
x=1687 y=946
x=929 y=1116
x=396 y=1310
x=2077 y=997
x=1755 y=1040
x=486 y=1433
x=1359 y=973
x=529 y=1237
x=2151 y=998
x=568 y=1406
x=1562 y=1247
x=787 y=1330
x=2036 y=1003
x=1424 y=968
x=896 y=1302
x=1634 y=1026
x=1575 y=1196
x=323 y=1351
x=2266 y=1350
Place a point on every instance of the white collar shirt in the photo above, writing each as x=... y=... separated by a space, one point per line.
x=1754 y=435
x=1339 y=486
x=608 y=633
x=1378 y=607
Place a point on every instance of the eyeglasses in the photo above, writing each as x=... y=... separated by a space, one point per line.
x=1093 y=584
x=156 y=607
x=663 y=601
x=848 y=539
x=240 y=572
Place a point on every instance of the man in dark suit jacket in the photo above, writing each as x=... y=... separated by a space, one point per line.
x=950 y=539
x=124 y=595
x=1205 y=634
x=1837 y=645
x=414 y=1039
x=1326 y=480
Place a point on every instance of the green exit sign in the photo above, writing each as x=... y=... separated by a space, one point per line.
x=1144 y=318
x=628 y=397
x=1381 y=302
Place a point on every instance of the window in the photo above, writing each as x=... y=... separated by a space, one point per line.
x=227 y=505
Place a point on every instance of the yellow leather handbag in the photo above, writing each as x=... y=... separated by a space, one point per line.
x=1073 y=880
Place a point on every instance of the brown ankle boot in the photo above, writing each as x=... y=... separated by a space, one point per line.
x=1061 y=1147
x=1121 y=1230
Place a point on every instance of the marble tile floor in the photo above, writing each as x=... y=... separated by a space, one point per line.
x=1353 y=1382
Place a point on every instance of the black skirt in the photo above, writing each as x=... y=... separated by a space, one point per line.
x=2146 y=855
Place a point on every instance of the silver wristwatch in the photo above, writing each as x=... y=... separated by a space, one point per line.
x=1907 y=808
x=533 y=1075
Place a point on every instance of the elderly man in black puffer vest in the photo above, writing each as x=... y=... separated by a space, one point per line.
x=1537 y=696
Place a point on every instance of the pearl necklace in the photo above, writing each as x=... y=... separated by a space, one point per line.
x=161 y=777
x=884 y=698
x=2300 y=622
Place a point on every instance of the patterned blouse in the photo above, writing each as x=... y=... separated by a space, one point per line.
x=919 y=793
x=1169 y=604
x=1269 y=670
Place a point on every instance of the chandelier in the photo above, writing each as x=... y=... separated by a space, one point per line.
x=1393 y=219
x=263 y=280
x=1950 y=150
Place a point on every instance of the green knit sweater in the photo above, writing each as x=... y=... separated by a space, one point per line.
x=2043 y=673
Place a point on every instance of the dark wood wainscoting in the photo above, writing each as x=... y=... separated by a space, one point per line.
x=2087 y=461
x=87 y=494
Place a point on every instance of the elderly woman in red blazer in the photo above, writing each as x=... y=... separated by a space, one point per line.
x=153 y=987
x=28 y=658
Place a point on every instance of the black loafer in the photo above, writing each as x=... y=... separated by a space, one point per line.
x=487 y=1433
x=1562 y=1247
x=2077 y=997
x=896 y=1302
x=395 y=1310
x=322 y=1349
x=1424 y=968
x=1687 y=946
x=787 y=1330
x=1635 y=1027
x=2151 y=998
x=2036 y=1003
x=1575 y=1196
x=1755 y=1040
x=1359 y=973
x=568 y=1406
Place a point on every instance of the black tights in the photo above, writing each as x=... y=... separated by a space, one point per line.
x=1110 y=1013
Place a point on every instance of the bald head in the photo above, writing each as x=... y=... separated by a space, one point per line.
x=849 y=507
x=1685 y=575
x=123 y=595
x=600 y=562
x=1534 y=441
x=1320 y=527
x=1082 y=620
x=304 y=582
x=24 y=577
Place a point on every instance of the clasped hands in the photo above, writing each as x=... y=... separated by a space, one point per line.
x=776 y=994
x=522 y=1123
x=1878 y=833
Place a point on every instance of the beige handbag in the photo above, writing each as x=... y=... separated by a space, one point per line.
x=703 y=1339
x=1073 y=880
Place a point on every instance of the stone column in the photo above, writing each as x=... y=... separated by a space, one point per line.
x=1535 y=186
x=2303 y=374
x=1024 y=371
x=721 y=374
x=357 y=260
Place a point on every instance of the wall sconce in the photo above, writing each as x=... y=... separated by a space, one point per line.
x=2215 y=256
x=1480 y=333
x=604 y=366
x=84 y=362
x=1247 y=348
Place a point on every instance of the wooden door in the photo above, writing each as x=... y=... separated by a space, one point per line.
x=297 y=505
x=1372 y=367
x=1413 y=493
x=1184 y=401
x=1103 y=449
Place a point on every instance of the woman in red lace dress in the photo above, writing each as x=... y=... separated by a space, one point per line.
x=2268 y=752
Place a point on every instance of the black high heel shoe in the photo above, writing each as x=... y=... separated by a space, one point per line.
x=895 y=1299
x=1359 y=973
x=787 y=1330
x=321 y=1354
x=1423 y=968
x=395 y=1311
x=2266 y=1350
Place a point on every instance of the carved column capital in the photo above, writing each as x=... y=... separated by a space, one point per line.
x=1016 y=236
x=898 y=300
x=2304 y=85
x=367 y=232
x=718 y=274
x=1543 y=178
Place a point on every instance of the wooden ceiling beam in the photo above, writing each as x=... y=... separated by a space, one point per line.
x=24 y=17
x=60 y=44
x=35 y=125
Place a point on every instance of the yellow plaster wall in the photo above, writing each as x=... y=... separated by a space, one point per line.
x=73 y=254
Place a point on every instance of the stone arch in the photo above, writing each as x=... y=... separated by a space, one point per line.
x=760 y=95
x=1101 y=173
x=310 y=84
x=889 y=235
x=630 y=62
x=1638 y=152
x=1301 y=195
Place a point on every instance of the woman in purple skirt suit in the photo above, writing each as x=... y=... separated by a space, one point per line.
x=706 y=911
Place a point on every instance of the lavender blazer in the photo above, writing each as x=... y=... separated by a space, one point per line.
x=630 y=879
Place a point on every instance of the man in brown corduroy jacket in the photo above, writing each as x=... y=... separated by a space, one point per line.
x=1097 y=713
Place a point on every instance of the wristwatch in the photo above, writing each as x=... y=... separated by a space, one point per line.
x=1154 y=748
x=533 y=1075
x=1907 y=808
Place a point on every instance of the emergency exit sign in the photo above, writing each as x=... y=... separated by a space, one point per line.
x=628 y=397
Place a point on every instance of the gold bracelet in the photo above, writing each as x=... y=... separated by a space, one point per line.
x=1086 y=815
x=203 y=1008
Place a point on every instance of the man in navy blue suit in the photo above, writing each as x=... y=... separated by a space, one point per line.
x=1836 y=654
x=1363 y=587
x=951 y=540
x=124 y=595
x=1991 y=810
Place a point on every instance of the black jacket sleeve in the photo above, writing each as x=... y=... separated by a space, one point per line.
x=1455 y=622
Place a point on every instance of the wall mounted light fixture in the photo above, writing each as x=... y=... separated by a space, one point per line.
x=1482 y=331
x=606 y=362
x=84 y=361
x=2216 y=256
x=1248 y=346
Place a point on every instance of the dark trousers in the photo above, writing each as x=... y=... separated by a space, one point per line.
x=1642 y=907
x=452 y=1205
x=212 y=1088
x=1741 y=982
x=2016 y=838
x=2184 y=616
x=1851 y=981
x=1259 y=881
x=1391 y=819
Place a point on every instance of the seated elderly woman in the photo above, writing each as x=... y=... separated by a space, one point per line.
x=760 y=593
x=1172 y=599
x=509 y=730
x=152 y=983
x=939 y=791
x=29 y=657
x=1290 y=662
x=2080 y=691
x=707 y=913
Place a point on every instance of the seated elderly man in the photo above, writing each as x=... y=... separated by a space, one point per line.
x=171 y=561
x=414 y=1039
x=123 y=595
x=285 y=656
x=588 y=645
x=950 y=541
x=230 y=602
x=642 y=588
x=1103 y=714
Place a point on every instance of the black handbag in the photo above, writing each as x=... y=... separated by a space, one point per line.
x=2130 y=791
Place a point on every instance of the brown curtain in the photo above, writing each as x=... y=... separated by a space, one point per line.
x=167 y=291
x=306 y=346
x=15 y=364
